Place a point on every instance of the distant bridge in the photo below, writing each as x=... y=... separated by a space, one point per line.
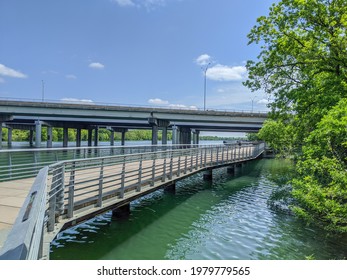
x=185 y=124
x=69 y=192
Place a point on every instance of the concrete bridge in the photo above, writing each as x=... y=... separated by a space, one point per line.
x=184 y=124
x=68 y=192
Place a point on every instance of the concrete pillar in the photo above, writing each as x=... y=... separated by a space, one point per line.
x=164 y=136
x=121 y=212
x=49 y=137
x=154 y=135
x=174 y=135
x=96 y=137
x=90 y=136
x=0 y=136
x=231 y=169
x=112 y=137
x=197 y=135
x=31 y=137
x=65 y=136
x=9 y=136
x=78 y=137
x=207 y=175
x=170 y=189
x=38 y=134
x=185 y=135
x=123 y=137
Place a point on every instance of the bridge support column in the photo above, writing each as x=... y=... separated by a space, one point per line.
x=175 y=133
x=196 y=137
x=0 y=136
x=164 y=136
x=185 y=135
x=90 y=137
x=231 y=170
x=121 y=212
x=49 y=137
x=170 y=189
x=38 y=134
x=31 y=137
x=207 y=175
x=154 y=135
x=96 y=137
x=9 y=137
x=111 y=137
x=65 y=137
x=123 y=137
x=78 y=137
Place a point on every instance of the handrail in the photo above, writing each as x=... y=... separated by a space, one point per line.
x=89 y=185
x=24 y=163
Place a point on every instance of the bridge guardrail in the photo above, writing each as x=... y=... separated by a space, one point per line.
x=68 y=187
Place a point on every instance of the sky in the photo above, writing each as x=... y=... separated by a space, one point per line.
x=130 y=52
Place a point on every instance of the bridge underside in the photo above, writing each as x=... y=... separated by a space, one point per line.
x=184 y=124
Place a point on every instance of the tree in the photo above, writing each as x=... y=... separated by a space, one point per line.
x=303 y=59
x=321 y=185
x=303 y=66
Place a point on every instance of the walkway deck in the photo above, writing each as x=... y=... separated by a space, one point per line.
x=80 y=189
x=12 y=196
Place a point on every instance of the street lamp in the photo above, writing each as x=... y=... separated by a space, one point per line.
x=205 y=71
x=252 y=102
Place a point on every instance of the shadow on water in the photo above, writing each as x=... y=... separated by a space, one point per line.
x=230 y=218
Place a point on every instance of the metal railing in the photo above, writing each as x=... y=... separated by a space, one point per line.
x=84 y=186
x=18 y=164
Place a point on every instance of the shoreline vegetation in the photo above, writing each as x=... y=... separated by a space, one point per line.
x=302 y=67
x=104 y=135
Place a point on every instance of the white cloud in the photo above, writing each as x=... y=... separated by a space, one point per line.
x=158 y=101
x=124 y=3
x=71 y=77
x=226 y=73
x=181 y=106
x=263 y=101
x=203 y=59
x=8 y=72
x=76 y=100
x=96 y=65
x=148 y=4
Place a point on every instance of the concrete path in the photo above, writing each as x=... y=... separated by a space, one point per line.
x=12 y=196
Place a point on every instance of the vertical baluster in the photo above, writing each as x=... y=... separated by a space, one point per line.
x=153 y=172
x=122 y=183
x=163 y=179
x=171 y=163
x=101 y=182
x=185 y=164
x=138 y=188
x=179 y=166
x=71 y=188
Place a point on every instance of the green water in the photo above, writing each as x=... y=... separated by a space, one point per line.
x=231 y=218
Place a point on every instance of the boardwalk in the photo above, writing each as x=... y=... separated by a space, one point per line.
x=69 y=192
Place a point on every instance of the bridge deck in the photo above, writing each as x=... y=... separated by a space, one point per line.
x=12 y=196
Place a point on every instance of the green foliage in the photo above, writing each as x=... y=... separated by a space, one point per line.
x=303 y=67
x=279 y=136
x=321 y=185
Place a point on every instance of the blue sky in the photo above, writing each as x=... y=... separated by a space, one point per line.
x=130 y=52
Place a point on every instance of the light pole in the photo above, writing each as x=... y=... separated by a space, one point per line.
x=205 y=71
x=252 y=102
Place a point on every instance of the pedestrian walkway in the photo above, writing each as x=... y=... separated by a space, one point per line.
x=12 y=196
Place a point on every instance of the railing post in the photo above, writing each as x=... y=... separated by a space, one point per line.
x=185 y=164
x=163 y=179
x=196 y=158
x=179 y=166
x=71 y=187
x=54 y=196
x=205 y=156
x=101 y=181
x=122 y=183
x=153 y=172
x=138 y=188
x=171 y=163
x=60 y=193
x=191 y=161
